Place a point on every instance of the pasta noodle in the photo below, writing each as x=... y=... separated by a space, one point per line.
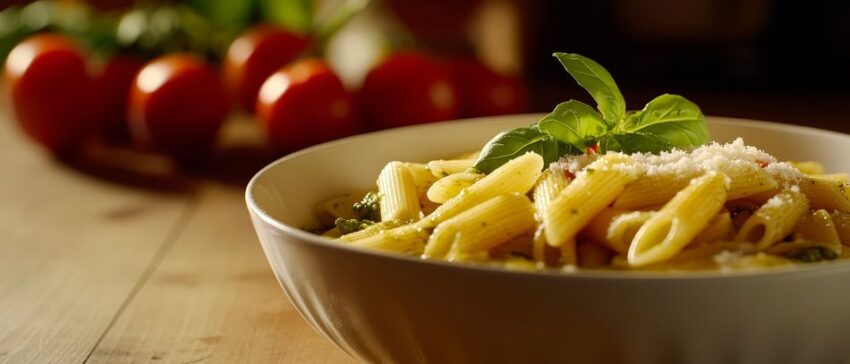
x=551 y=184
x=775 y=219
x=518 y=175
x=442 y=168
x=399 y=199
x=826 y=193
x=674 y=226
x=450 y=186
x=469 y=235
x=718 y=207
x=807 y=167
x=586 y=196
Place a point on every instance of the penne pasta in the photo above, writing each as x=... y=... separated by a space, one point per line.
x=615 y=228
x=372 y=230
x=718 y=229
x=550 y=184
x=719 y=207
x=408 y=239
x=669 y=230
x=518 y=175
x=471 y=234
x=591 y=191
x=746 y=180
x=422 y=177
x=837 y=177
x=841 y=220
x=826 y=193
x=450 y=186
x=775 y=219
x=441 y=168
x=807 y=167
x=399 y=199
x=817 y=226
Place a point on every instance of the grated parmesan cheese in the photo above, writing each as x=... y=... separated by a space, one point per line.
x=714 y=157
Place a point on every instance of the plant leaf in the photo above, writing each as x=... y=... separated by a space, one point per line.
x=599 y=83
x=574 y=123
x=669 y=119
x=516 y=142
x=639 y=143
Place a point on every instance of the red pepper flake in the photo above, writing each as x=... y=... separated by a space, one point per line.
x=761 y=163
x=593 y=149
x=570 y=175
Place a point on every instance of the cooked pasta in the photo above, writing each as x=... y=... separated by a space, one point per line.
x=593 y=189
x=442 y=168
x=548 y=187
x=717 y=207
x=450 y=186
x=669 y=230
x=471 y=234
x=775 y=219
x=399 y=199
x=826 y=193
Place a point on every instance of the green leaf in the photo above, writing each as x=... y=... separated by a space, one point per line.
x=669 y=119
x=513 y=143
x=599 y=83
x=639 y=143
x=292 y=14
x=608 y=143
x=574 y=123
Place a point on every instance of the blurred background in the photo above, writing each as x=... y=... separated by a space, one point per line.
x=386 y=63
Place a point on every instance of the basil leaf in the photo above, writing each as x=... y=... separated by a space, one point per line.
x=599 y=83
x=640 y=143
x=608 y=143
x=513 y=143
x=672 y=121
x=574 y=123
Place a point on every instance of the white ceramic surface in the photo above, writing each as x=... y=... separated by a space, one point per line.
x=386 y=308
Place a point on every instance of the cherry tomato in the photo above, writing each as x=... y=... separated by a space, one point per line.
x=305 y=104
x=255 y=55
x=483 y=92
x=113 y=85
x=177 y=104
x=406 y=89
x=51 y=90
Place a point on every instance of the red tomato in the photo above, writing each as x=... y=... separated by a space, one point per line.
x=406 y=89
x=51 y=91
x=305 y=104
x=113 y=85
x=177 y=104
x=483 y=92
x=255 y=55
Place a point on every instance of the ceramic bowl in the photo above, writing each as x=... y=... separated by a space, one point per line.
x=381 y=307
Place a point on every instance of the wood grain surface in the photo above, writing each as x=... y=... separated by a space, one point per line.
x=107 y=270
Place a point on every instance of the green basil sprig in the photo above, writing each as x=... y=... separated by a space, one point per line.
x=666 y=122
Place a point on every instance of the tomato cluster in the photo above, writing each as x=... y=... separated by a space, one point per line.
x=176 y=103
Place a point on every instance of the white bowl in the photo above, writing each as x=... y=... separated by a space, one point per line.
x=382 y=307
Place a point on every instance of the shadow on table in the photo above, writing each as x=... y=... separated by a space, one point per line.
x=149 y=170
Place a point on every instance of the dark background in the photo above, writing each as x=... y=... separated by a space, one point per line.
x=779 y=60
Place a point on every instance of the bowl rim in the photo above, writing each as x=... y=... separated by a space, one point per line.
x=303 y=237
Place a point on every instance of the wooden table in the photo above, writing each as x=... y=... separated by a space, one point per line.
x=95 y=271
